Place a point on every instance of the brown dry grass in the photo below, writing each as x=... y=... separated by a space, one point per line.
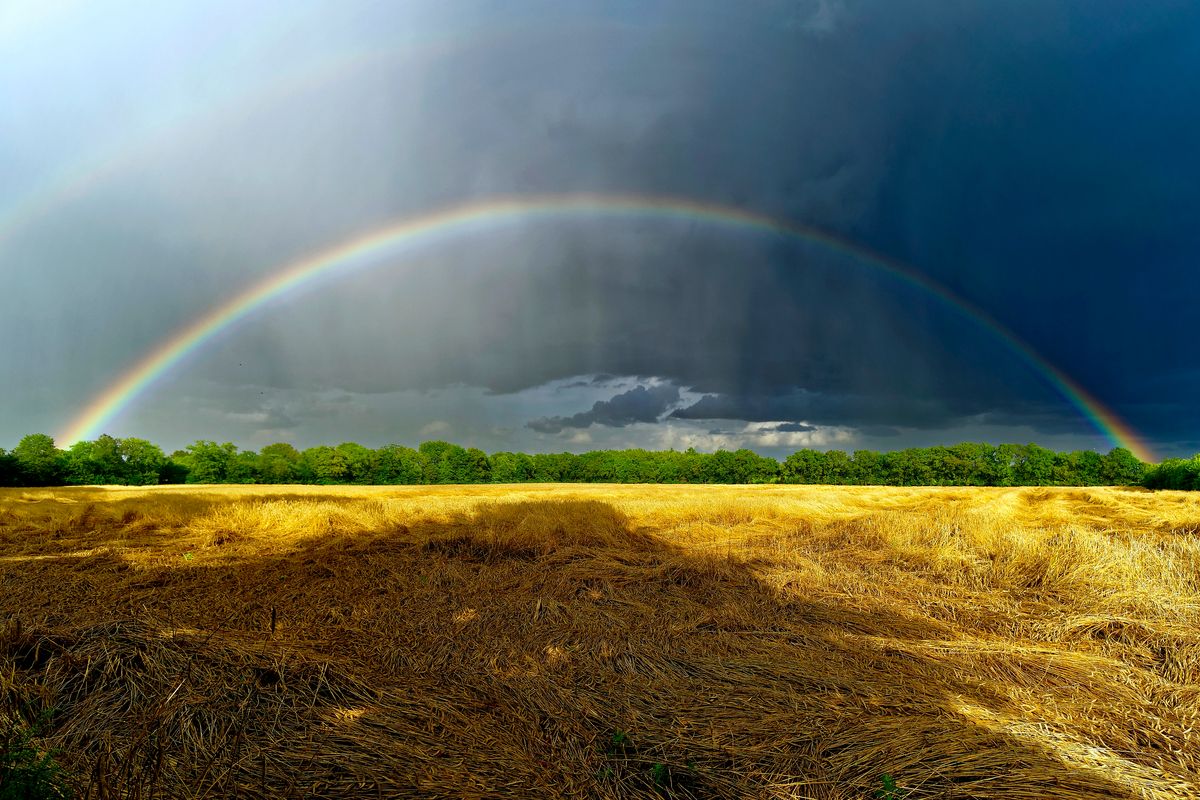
x=773 y=642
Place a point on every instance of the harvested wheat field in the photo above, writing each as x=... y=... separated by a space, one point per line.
x=607 y=641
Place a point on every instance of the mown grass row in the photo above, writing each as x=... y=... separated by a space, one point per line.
x=608 y=641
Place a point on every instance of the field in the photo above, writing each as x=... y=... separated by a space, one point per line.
x=607 y=641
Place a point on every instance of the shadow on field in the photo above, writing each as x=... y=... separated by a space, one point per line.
x=529 y=649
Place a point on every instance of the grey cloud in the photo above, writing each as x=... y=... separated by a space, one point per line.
x=278 y=419
x=793 y=427
x=880 y=431
x=878 y=414
x=996 y=157
x=266 y=419
x=595 y=380
x=639 y=404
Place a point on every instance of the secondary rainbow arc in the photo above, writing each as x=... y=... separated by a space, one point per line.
x=365 y=250
x=194 y=122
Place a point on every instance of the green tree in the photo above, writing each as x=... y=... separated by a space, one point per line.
x=479 y=466
x=839 y=469
x=107 y=460
x=432 y=455
x=999 y=467
x=600 y=466
x=244 y=468
x=177 y=468
x=456 y=465
x=511 y=468
x=720 y=468
x=278 y=463
x=326 y=465
x=96 y=462
x=804 y=466
x=1174 y=473
x=1009 y=456
x=1033 y=466
x=1085 y=467
x=691 y=466
x=911 y=467
x=554 y=467
x=867 y=468
x=9 y=472
x=39 y=462
x=142 y=462
x=395 y=464
x=1121 y=468
x=450 y=463
x=209 y=462
x=359 y=460
x=79 y=467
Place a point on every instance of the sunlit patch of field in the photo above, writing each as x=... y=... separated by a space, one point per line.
x=608 y=641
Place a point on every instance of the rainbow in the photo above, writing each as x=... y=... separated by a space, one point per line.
x=408 y=234
x=197 y=121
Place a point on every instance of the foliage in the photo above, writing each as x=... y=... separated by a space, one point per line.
x=967 y=464
x=39 y=462
x=209 y=462
x=450 y=463
x=325 y=465
x=1175 y=473
x=397 y=464
x=279 y=463
x=890 y=790
x=511 y=468
x=25 y=772
x=9 y=471
x=1121 y=468
x=663 y=777
x=108 y=460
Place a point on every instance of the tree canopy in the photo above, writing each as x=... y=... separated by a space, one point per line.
x=35 y=461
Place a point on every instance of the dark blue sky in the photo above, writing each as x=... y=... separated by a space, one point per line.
x=1037 y=158
x=1056 y=184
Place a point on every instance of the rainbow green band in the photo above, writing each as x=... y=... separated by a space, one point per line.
x=464 y=219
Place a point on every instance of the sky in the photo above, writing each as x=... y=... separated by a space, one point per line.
x=1034 y=159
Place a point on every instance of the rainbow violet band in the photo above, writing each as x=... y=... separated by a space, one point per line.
x=457 y=221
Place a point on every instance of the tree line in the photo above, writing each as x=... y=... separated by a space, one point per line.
x=1174 y=473
x=36 y=461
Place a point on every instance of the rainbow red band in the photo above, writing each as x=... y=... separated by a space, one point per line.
x=392 y=240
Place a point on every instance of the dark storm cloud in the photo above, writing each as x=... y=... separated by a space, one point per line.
x=1049 y=180
x=799 y=128
x=793 y=427
x=639 y=404
x=874 y=413
x=879 y=431
x=822 y=409
x=1035 y=156
x=595 y=380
